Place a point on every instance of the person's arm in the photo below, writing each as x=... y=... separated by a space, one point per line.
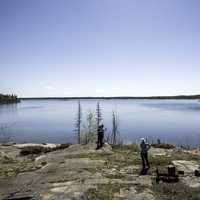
x=148 y=146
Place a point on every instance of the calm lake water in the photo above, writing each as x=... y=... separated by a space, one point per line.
x=173 y=121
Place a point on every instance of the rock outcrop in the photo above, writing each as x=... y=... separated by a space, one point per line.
x=81 y=172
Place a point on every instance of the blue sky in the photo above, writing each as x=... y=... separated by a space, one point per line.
x=99 y=47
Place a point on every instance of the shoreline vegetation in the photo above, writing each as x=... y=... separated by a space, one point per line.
x=181 y=97
x=8 y=99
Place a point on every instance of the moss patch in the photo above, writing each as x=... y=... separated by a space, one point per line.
x=104 y=191
x=131 y=147
x=160 y=161
x=15 y=167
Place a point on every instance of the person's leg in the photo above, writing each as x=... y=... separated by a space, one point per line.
x=143 y=161
x=101 y=141
x=98 y=140
x=147 y=161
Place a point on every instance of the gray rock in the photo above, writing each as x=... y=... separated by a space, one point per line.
x=186 y=166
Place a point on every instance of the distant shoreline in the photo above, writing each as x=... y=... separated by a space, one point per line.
x=8 y=99
x=179 y=97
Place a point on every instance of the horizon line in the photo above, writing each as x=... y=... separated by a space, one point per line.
x=197 y=96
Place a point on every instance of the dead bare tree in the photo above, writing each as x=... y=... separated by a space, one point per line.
x=90 y=129
x=115 y=135
x=78 y=123
x=98 y=115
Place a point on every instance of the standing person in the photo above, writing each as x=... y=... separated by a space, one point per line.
x=100 y=136
x=144 y=147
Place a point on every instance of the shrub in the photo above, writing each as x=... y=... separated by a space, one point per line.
x=163 y=146
x=41 y=149
x=32 y=150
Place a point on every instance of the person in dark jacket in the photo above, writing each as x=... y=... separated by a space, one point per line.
x=100 y=136
x=144 y=147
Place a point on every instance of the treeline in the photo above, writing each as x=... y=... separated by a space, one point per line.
x=86 y=130
x=120 y=97
x=7 y=98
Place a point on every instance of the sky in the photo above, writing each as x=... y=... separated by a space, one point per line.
x=62 y=48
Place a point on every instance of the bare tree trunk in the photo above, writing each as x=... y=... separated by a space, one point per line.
x=98 y=115
x=78 y=123
x=90 y=129
x=115 y=137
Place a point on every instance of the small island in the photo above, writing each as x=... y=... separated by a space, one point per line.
x=7 y=98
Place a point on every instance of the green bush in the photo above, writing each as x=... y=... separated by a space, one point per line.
x=32 y=150
x=163 y=146
x=41 y=149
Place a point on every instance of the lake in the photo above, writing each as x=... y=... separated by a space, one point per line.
x=42 y=121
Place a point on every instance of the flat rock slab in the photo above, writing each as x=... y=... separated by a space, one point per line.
x=159 y=152
x=21 y=197
x=47 y=145
x=186 y=166
x=9 y=151
x=191 y=181
x=132 y=193
x=89 y=148
x=130 y=169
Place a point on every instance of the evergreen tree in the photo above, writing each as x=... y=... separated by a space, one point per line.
x=6 y=99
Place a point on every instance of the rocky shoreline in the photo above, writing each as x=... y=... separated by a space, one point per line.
x=55 y=171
